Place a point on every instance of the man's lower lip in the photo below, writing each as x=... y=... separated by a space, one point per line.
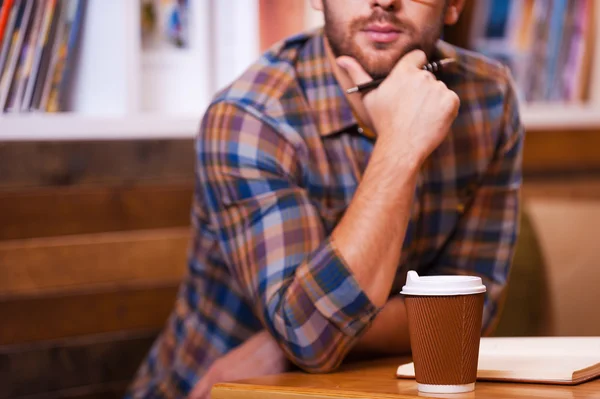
x=382 y=37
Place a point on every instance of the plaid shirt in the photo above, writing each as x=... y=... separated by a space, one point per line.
x=279 y=158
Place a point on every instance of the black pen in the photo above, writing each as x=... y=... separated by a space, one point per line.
x=432 y=67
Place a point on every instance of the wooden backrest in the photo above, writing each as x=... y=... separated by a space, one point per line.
x=93 y=243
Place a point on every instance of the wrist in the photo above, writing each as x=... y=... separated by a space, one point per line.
x=398 y=158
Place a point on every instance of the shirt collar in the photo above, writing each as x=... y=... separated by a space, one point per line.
x=325 y=97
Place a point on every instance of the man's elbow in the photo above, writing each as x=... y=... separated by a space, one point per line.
x=312 y=367
x=314 y=353
x=322 y=360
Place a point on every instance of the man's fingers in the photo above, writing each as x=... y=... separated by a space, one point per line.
x=203 y=387
x=415 y=58
x=412 y=61
x=353 y=69
x=200 y=391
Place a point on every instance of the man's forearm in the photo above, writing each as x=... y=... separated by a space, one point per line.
x=388 y=335
x=412 y=113
x=369 y=237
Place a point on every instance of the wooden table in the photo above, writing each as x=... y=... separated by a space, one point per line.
x=376 y=379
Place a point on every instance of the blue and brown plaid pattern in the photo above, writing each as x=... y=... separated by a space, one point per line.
x=279 y=158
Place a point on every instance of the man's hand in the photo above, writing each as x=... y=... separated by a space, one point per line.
x=258 y=356
x=411 y=111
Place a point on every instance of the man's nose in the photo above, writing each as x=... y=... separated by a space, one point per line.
x=388 y=5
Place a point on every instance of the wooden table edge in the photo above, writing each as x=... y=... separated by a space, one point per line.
x=251 y=391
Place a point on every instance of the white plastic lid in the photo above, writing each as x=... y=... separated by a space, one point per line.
x=442 y=285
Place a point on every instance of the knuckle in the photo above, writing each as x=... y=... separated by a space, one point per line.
x=452 y=100
x=423 y=76
x=456 y=101
x=452 y=96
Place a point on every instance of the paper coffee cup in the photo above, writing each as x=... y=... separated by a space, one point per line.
x=444 y=321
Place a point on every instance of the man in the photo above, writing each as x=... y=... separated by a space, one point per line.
x=311 y=205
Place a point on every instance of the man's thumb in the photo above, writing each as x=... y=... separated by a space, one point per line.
x=353 y=69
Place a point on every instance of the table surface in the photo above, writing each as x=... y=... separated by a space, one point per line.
x=376 y=379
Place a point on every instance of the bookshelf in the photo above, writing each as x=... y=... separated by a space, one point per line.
x=72 y=126
x=122 y=91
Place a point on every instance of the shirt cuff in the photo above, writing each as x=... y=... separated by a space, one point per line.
x=335 y=293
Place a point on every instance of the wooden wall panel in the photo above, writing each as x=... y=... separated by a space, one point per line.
x=552 y=154
x=93 y=240
x=26 y=164
x=99 y=391
x=99 y=366
x=56 y=211
x=83 y=263
x=567 y=231
x=61 y=316
x=35 y=164
x=575 y=189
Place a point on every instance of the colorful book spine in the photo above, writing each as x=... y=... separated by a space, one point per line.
x=20 y=55
x=524 y=36
x=39 y=46
x=41 y=104
x=72 y=54
x=575 y=44
x=56 y=101
x=13 y=58
x=47 y=61
x=555 y=33
x=26 y=62
x=557 y=89
x=12 y=21
x=4 y=16
x=584 y=63
x=536 y=75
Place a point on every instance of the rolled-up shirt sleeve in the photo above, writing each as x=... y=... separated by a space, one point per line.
x=273 y=240
x=485 y=238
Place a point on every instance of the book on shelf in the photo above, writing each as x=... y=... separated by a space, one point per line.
x=5 y=12
x=16 y=40
x=47 y=58
x=66 y=48
x=8 y=14
x=38 y=47
x=41 y=53
x=25 y=59
x=165 y=24
x=547 y=44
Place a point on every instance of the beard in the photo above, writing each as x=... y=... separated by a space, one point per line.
x=380 y=59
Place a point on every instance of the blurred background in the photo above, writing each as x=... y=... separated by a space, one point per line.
x=101 y=100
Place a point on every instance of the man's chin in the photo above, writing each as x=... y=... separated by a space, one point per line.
x=377 y=68
x=379 y=62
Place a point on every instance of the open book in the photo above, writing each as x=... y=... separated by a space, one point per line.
x=560 y=360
